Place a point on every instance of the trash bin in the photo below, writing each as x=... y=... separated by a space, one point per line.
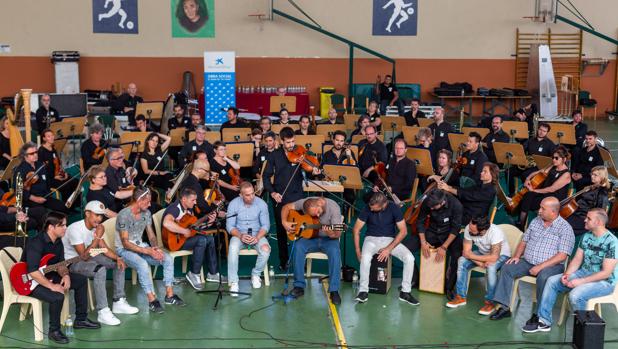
x=325 y=93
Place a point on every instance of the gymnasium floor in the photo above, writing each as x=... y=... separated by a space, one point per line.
x=258 y=322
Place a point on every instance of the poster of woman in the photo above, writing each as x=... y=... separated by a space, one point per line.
x=193 y=18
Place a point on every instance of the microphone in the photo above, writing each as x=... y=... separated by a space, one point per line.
x=250 y=231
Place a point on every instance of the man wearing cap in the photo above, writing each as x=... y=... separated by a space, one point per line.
x=80 y=238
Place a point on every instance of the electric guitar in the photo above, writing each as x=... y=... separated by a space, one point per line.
x=308 y=227
x=23 y=283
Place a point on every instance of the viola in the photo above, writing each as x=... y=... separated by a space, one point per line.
x=234 y=176
x=349 y=160
x=99 y=152
x=299 y=155
x=31 y=179
x=58 y=170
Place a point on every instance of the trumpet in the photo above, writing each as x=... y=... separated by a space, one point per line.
x=531 y=163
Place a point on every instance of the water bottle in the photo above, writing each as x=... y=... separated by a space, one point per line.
x=355 y=280
x=271 y=271
x=68 y=327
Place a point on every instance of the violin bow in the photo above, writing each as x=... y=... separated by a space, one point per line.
x=155 y=168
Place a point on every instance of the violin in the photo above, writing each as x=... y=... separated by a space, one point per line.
x=299 y=155
x=58 y=170
x=212 y=195
x=349 y=160
x=234 y=176
x=380 y=169
x=8 y=199
x=98 y=153
x=31 y=178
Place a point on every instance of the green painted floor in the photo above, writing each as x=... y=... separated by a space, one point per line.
x=257 y=322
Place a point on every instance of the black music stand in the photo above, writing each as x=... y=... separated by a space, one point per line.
x=510 y=154
x=221 y=290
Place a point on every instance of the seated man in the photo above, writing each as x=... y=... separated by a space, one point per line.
x=326 y=242
x=203 y=246
x=444 y=212
x=127 y=103
x=591 y=273
x=52 y=286
x=130 y=224
x=248 y=223
x=541 y=253
x=492 y=251
x=383 y=219
x=84 y=235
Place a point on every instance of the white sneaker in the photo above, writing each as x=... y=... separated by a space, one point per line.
x=106 y=317
x=234 y=288
x=256 y=282
x=121 y=306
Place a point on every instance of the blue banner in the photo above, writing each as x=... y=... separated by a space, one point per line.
x=395 y=17
x=219 y=85
x=114 y=16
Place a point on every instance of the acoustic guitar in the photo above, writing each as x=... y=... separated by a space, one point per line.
x=174 y=241
x=24 y=284
x=308 y=227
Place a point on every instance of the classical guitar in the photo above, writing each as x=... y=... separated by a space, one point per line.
x=24 y=284
x=174 y=241
x=308 y=227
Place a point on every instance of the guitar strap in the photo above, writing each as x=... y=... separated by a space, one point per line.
x=10 y=255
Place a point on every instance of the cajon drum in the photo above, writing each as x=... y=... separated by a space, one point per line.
x=380 y=275
x=432 y=274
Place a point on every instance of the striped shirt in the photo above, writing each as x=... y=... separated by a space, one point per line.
x=542 y=243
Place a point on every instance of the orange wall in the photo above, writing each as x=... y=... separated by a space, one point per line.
x=156 y=77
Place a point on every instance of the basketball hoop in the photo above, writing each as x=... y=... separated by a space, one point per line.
x=260 y=17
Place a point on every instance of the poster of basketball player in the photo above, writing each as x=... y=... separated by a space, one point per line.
x=114 y=16
x=395 y=17
x=193 y=18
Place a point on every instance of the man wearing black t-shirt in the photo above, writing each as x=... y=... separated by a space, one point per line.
x=127 y=102
x=374 y=115
x=117 y=180
x=383 y=220
x=179 y=118
x=199 y=143
x=445 y=216
x=233 y=121
x=440 y=129
x=414 y=114
x=496 y=135
x=370 y=151
x=89 y=156
x=389 y=95
x=475 y=158
x=587 y=158
x=400 y=171
x=46 y=114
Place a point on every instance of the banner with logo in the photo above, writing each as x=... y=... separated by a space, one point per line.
x=114 y=16
x=395 y=17
x=219 y=85
x=193 y=18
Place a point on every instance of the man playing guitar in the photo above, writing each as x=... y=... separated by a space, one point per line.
x=203 y=246
x=327 y=241
x=51 y=287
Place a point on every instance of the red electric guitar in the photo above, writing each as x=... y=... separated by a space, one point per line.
x=24 y=284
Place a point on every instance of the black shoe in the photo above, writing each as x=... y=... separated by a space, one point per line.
x=500 y=314
x=155 y=307
x=407 y=297
x=534 y=319
x=297 y=292
x=362 y=297
x=283 y=268
x=58 y=337
x=174 y=300
x=335 y=298
x=536 y=327
x=87 y=323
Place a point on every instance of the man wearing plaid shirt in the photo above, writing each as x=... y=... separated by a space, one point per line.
x=542 y=251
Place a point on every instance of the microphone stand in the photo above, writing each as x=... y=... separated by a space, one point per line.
x=221 y=290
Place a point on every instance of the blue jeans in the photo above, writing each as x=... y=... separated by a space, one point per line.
x=263 y=249
x=578 y=296
x=320 y=244
x=510 y=272
x=202 y=247
x=141 y=263
x=464 y=265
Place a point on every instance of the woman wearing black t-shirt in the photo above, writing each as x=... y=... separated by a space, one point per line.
x=57 y=176
x=98 y=191
x=5 y=143
x=152 y=154
x=227 y=170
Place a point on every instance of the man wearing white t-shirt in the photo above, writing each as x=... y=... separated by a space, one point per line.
x=87 y=234
x=492 y=251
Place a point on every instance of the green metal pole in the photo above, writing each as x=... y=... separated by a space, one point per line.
x=586 y=29
x=350 y=77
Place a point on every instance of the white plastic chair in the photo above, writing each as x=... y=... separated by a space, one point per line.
x=253 y=252
x=592 y=304
x=12 y=297
x=110 y=241
x=311 y=256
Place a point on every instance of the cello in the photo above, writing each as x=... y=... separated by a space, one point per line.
x=535 y=182
x=569 y=205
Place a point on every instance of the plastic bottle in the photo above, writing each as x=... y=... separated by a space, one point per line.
x=271 y=271
x=68 y=327
x=355 y=280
